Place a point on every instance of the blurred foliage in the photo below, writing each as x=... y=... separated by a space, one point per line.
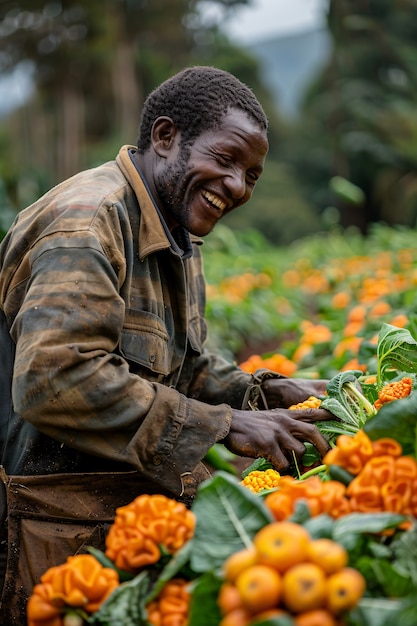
x=358 y=120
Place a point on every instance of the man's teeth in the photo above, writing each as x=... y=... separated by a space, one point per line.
x=219 y=204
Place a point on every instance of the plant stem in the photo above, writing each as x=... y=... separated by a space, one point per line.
x=313 y=472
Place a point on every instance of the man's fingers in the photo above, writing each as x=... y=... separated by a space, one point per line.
x=313 y=415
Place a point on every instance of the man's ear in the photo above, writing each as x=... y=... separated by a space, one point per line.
x=163 y=135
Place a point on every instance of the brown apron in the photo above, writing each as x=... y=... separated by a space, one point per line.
x=58 y=515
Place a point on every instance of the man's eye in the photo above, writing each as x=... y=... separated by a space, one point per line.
x=224 y=159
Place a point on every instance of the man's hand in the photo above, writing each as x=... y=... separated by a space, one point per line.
x=276 y=434
x=283 y=392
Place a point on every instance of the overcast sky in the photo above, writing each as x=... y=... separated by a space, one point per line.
x=272 y=17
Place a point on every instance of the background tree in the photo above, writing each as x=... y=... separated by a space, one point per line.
x=359 y=119
x=93 y=63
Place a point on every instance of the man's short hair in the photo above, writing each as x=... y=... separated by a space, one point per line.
x=196 y=99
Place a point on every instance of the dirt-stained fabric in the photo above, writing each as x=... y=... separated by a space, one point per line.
x=55 y=516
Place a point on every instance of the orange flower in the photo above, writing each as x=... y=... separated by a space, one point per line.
x=341 y=300
x=350 y=452
x=394 y=391
x=399 y=320
x=171 y=606
x=82 y=582
x=320 y=496
x=379 y=308
x=354 y=364
x=141 y=527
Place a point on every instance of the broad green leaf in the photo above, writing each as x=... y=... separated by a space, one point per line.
x=125 y=606
x=395 y=584
x=204 y=610
x=358 y=523
x=228 y=517
x=397 y=349
x=398 y=420
x=346 y=400
x=376 y=612
x=404 y=548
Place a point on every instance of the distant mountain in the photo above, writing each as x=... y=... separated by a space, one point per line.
x=289 y=62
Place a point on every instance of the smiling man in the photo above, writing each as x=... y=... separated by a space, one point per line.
x=106 y=388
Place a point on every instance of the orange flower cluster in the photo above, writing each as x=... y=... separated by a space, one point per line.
x=141 y=527
x=394 y=391
x=171 y=606
x=352 y=453
x=385 y=480
x=80 y=583
x=320 y=496
x=276 y=363
x=258 y=480
x=237 y=288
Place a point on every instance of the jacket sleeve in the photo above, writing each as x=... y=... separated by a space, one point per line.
x=71 y=383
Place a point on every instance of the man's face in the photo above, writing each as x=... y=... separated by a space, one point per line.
x=213 y=176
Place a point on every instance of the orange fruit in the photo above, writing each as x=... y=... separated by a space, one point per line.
x=304 y=588
x=229 y=598
x=238 y=561
x=344 y=590
x=259 y=587
x=317 y=617
x=268 y=615
x=238 y=617
x=330 y=555
x=282 y=544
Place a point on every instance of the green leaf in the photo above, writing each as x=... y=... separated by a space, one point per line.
x=228 y=516
x=397 y=349
x=260 y=465
x=125 y=606
x=376 y=612
x=204 y=610
x=175 y=565
x=346 y=400
x=398 y=420
x=359 y=523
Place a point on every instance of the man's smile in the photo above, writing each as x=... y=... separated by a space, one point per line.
x=217 y=202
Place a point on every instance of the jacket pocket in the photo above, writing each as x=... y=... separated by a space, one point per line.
x=145 y=341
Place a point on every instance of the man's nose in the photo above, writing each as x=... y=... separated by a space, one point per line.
x=236 y=184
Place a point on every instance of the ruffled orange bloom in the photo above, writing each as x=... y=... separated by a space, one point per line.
x=386 y=482
x=350 y=452
x=171 y=606
x=320 y=496
x=82 y=582
x=141 y=527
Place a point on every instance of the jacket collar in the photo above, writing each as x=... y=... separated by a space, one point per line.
x=154 y=234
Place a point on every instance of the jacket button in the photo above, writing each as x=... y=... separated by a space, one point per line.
x=157 y=459
x=152 y=357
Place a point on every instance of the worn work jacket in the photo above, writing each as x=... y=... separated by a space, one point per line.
x=102 y=336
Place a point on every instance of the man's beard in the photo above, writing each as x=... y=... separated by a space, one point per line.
x=171 y=191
